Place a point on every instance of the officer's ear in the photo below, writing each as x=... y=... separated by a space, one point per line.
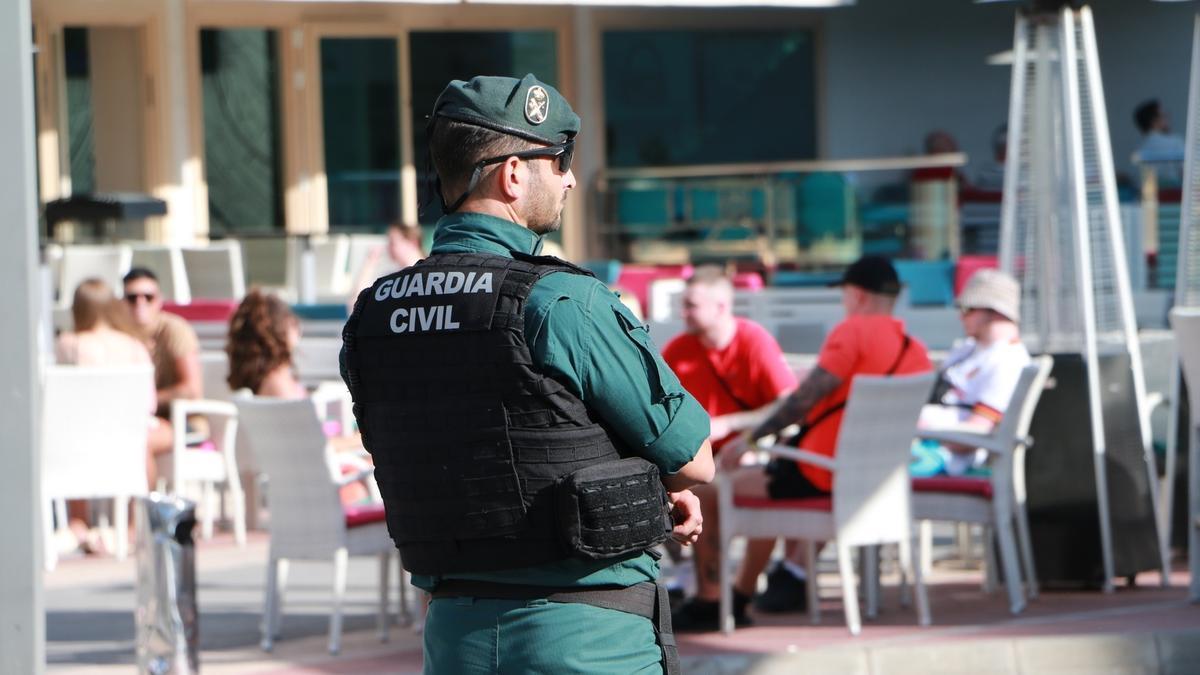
x=511 y=180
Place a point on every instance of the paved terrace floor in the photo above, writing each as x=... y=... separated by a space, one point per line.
x=1146 y=629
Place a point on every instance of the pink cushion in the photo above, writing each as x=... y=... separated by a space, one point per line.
x=979 y=487
x=968 y=265
x=636 y=279
x=332 y=428
x=206 y=445
x=204 y=310
x=363 y=514
x=806 y=504
x=749 y=281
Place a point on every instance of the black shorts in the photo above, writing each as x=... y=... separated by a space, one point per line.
x=786 y=481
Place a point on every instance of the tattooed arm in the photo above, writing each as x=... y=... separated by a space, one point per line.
x=819 y=384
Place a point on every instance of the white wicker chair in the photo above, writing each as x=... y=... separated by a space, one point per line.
x=94 y=427
x=213 y=465
x=215 y=272
x=308 y=520
x=79 y=263
x=316 y=360
x=358 y=251
x=331 y=259
x=1186 y=324
x=167 y=264
x=870 y=502
x=999 y=500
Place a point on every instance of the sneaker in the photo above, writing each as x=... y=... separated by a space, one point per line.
x=696 y=615
x=785 y=593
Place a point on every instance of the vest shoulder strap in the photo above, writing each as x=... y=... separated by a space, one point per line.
x=550 y=264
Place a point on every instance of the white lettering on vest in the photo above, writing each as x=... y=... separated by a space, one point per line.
x=426 y=316
x=433 y=285
x=397 y=316
x=454 y=282
x=399 y=288
x=483 y=284
x=416 y=286
x=440 y=317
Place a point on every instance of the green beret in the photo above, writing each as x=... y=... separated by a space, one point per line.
x=526 y=107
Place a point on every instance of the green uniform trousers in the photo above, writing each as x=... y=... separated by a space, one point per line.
x=471 y=636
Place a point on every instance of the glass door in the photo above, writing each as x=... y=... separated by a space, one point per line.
x=360 y=105
x=239 y=80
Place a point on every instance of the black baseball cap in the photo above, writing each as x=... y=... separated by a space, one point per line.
x=872 y=273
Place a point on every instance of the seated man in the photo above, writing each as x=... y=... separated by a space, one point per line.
x=174 y=347
x=733 y=366
x=979 y=376
x=869 y=341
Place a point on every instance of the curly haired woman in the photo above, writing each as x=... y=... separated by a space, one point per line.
x=263 y=333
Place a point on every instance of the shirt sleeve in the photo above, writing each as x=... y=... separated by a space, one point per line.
x=840 y=353
x=583 y=336
x=775 y=376
x=180 y=339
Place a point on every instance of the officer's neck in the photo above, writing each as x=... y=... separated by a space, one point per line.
x=494 y=208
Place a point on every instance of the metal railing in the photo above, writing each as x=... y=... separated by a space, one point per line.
x=809 y=214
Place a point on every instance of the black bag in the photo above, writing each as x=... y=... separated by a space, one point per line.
x=613 y=508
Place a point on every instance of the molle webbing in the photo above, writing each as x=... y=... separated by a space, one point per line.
x=468 y=438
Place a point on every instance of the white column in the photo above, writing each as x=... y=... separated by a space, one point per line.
x=582 y=239
x=22 y=619
x=179 y=176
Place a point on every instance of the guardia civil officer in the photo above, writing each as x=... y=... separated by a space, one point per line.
x=530 y=444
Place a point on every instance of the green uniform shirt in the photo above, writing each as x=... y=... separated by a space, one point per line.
x=580 y=333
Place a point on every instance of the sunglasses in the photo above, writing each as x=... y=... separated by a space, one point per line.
x=132 y=298
x=565 y=152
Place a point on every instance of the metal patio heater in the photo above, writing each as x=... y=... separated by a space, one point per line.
x=1187 y=294
x=1090 y=480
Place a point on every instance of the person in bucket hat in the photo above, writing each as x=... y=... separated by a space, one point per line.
x=978 y=377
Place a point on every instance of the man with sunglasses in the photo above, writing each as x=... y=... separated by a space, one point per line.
x=173 y=344
x=174 y=350
x=530 y=444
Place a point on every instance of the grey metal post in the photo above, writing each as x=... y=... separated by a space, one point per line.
x=22 y=619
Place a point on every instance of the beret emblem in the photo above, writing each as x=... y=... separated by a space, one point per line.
x=537 y=105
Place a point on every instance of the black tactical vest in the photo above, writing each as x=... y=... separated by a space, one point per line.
x=467 y=438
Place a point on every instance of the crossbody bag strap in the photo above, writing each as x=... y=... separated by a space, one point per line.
x=828 y=412
x=725 y=386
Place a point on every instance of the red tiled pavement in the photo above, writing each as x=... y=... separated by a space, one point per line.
x=961 y=613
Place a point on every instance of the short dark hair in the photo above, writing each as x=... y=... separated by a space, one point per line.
x=456 y=147
x=1145 y=114
x=139 y=273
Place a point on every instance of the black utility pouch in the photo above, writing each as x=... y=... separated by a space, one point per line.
x=610 y=509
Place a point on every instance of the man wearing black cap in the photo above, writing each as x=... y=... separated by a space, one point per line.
x=869 y=341
x=530 y=445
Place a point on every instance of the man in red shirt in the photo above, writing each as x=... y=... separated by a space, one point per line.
x=732 y=366
x=869 y=341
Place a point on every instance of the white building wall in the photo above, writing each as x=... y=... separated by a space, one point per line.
x=894 y=72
